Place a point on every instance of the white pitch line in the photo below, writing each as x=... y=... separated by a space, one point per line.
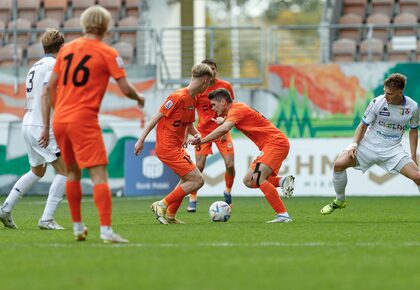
x=95 y=244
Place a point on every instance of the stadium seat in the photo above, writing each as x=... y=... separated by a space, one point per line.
x=74 y=24
x=22 y=37
x=55 y=9
x=35 y=53
x=405 y=19
x=126 y=51
x=2 y=28
x=132 y=8
x=350 y=19
x=129 y=36
x=385 y=7
x=109 y=36
x=379 y=32
x=28 y=9
x=398 y=55
x=358 y=7
x=344 y=50
x=46 y=23
x=372 y=50
x=410 y=6
x=5 y=10
x=113 y=7
x=7 y=55
x=80 y=5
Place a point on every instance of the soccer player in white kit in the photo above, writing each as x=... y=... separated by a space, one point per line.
x=40 y=141
x=377 y=140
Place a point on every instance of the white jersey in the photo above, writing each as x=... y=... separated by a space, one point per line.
x=37 y=77
x=387 y=123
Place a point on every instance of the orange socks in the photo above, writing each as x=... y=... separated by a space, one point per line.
x=173 y=208
x=193 y=196
x=177 y=194
x=74 y=198
x=274 y=180
x=272 y=196
x=103 y=201
x=229 y=182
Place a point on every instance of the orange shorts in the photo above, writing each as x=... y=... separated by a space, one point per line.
x=176 y=159
x=225 y=147
x=273 y=155
x=81 y=144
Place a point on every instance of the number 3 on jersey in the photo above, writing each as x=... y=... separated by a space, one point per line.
x=80 y=74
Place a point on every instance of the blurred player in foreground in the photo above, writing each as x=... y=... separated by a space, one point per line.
x=377 y=140
x=36 y=136
x=174 y=120
x=272 y=143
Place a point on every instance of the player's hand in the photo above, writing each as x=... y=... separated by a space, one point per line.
x=352 y=150
x=196 y=140
x=218 y=120
x=44 y=140
x=138 y=147
x=140 y=100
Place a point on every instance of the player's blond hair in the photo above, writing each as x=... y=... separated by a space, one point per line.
x=396 y=81
x=95 y=20
x=200 y=70
x=52 y=40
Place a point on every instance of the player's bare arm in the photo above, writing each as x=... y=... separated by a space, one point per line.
x=413 y=137
x=138 y=147
x=129 y=90
x=217 y=133
x=48 y=93
x=357 y=138
x=194 y=132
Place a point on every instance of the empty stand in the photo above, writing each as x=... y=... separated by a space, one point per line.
x=113 y=7
x=35 y=53
x=372 y=50
x=350 y=32
x=129 y=36
x=73 y=24
x=410 y=6
x=418 y=51
x=2 y=28
x=398 y=55
x=405 y=19
x=28 y=9
x=344 y=50
x=385 y=7
x=7 y=55
x=55 y=9
x=379 y=32
x=80 y=5
x=126 y=51
x=5 y=10
x=46 y=23
x=132 y=8
x=23 y=37
x=358 y=7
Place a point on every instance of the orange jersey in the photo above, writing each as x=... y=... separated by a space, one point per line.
x=179 y=111
x=205 y=124
x=84 y=67
x=254 y=125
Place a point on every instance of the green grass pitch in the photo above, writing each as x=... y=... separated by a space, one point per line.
x=372 y=244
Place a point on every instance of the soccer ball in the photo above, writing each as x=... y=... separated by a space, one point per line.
x=219 y=211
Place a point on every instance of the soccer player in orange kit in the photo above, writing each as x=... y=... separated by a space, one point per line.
x=272 y=143
x=205 y=126
x=76 y=88
x=174 y=120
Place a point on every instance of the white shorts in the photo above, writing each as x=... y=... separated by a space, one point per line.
x=391 y=159
x=36 y=154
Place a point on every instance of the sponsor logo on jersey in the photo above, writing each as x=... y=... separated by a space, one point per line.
x=120 y=61
x=169 y=104
x=385 y=112
x=392 y=126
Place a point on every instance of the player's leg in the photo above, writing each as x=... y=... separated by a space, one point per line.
x=200 y=161
x=225 y=146
x=20 y=188
x=257 y=177
x=411 y=171
x=55 y=196
x=339 y=180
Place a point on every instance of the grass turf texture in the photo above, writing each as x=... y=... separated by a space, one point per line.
x=372 y=244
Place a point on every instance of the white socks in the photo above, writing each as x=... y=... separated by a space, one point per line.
x=161 y=204
x=106 y=230
x=54 y=197
x=19 y=189
x=340 y=181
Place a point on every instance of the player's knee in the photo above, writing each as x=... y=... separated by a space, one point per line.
x=230 y=170
x=338 y=166
x=199 y=181
x=248 y=182
x=416 y=178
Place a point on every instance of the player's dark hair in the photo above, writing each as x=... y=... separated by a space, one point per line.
x=220 y=94
x=210 y=61
x=396 y=81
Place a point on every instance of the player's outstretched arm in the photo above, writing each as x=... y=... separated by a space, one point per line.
x=138 y=147
x=217 y=133
x=48 y=92
x=413 y=136
x=129 y=90
x=357 y=138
